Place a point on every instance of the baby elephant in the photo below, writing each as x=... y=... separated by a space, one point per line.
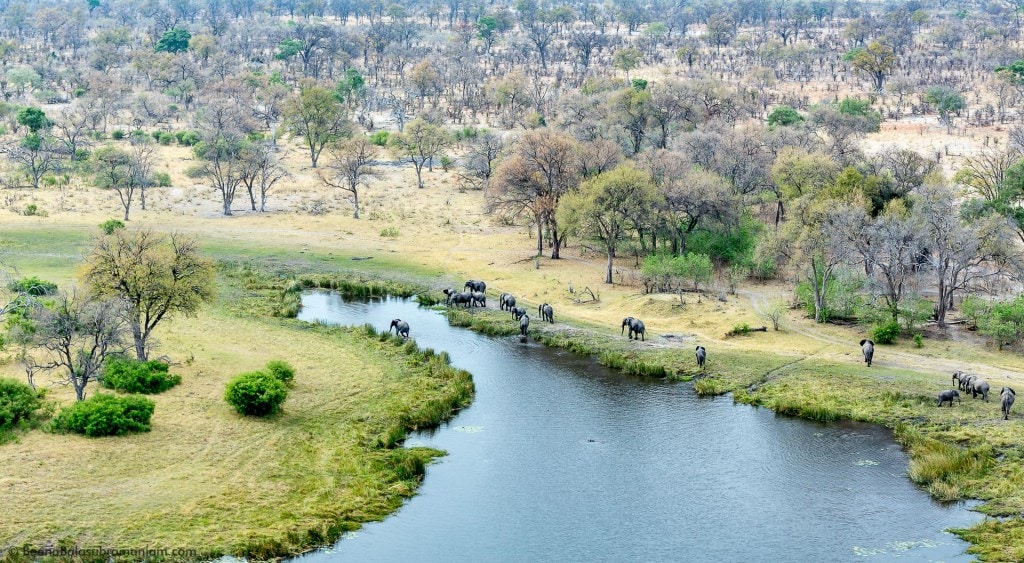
x=949 y=396
x=702 y=357
x=401 y=328
x=1006 y=397
x=868 y=347
x=546 y=313
x=524 y=323
x=518 y=312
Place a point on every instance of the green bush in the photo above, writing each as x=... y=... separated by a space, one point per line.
x=380 y=138
x=33 y=286
x=886 y=333
x=134 y=376
x=282 y=370
x=256 y=393
x=187 y=138
x=117 y=135
x=918 y=341
x=110 y=225
x=105 y=415
x=162 y=179
x=33 y=210
x=785 y=116
x=19 y=404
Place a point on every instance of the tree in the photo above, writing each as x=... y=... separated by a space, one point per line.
x=33 y=118
x=350 y=167
x=36 y=154
x=156 y=276
x=541 y=169
x=874 y=61
x=482 y=152
x=114 y=170
x=605 y=207
x=784 y=116
x=173 y=40
x=317 y=116
x=261 y=169
x=797 y=172
x=627 y=59
x=947 y=102
x=76 y=336
x=419 y=144
x=220 y=160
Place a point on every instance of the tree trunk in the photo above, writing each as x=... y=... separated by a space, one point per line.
x=140 y=342
x=227 y=206
x=611 y=255
x=540 y=236
x=419 y=174
x=355 y=204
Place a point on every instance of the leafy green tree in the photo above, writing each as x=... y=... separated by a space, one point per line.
x=627 y=59
x=173 y=40
x=784 y=116
x=316 y=115
x=288 y=48
x=606 y=207
x=874 y=61
x=34 y=119
x=947 y=102
x=155 y=276
x=419 y=144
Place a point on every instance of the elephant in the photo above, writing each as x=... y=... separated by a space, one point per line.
x=546 y=313
x=949 y=396
x=702 y=357
x=963 y=380
x=518 y=313
x=508 y=302
x=636 y=327
x=448 y=294
x=978 y=386
x=475 y=285
x=1006 y=397
x=524 y=323
x=868 y=347
x=401 y=328
x=479 y=298
x=465 y=298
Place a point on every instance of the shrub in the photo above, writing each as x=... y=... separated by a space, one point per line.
x=134 y=376
x=389 y=232
x=784 y=116
x=18 y=404
x=447 y=162
x=282 y=370
x=33 y=210
x=187 y=138
x=117 y=135
x=918 y=341
x=110 y=225
x=33 y=286
x=106 y=415
x=380 y=138
x=162 y=179
x=886 y=333
x=256 y=393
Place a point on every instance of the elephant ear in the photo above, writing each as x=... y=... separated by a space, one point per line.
x=862 y=342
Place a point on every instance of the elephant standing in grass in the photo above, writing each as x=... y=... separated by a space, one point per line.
x=963 y=381
x=507 y=302
x=978 y=386
x=636 y=328
x=448 y=293
x=868 y=348
x=465 y=299
x=546 y=313
x=702 y=357
x=475 y=285
x=518 y=313
x=524 y=323
x=1006 y=397
x=479 y=298
x=949 y=396
x=401 y=328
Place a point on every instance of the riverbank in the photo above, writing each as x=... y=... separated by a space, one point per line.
x=210 y=482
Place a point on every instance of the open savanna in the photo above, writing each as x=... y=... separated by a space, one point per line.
x=206 y=477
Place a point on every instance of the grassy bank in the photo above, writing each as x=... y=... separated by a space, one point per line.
x=208 y=479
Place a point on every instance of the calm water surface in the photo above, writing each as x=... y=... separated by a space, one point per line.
x=561 y=459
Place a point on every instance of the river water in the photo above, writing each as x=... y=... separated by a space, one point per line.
x=561 y=459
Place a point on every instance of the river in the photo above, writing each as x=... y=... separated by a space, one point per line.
x=561 y=459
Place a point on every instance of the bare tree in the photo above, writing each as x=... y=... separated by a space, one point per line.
x=350 y=167
x=262 y=169
x=482 y=152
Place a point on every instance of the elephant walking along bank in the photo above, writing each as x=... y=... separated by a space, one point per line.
x=868 y=347
x=1006 y=397
x=636 y=328
x=479 y=298
x=518 y=313
x=401 y=328
x=546 y=313
x=702 y=357
x=524 y=323
x=506 y=302
x=475 y=285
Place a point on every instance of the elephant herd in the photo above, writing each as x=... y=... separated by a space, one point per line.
x=977 y=386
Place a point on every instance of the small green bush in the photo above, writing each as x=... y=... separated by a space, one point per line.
x=162 y=179
x=19 y=404
x=187 y=138
x=389 y=232
x=380 y=138
x=918 y=341
x=33 y=210
x=33 y=286
x=133 y=376
x=282 y=370
x=105 y=415
x=256 y=393
x=886 y=333
x=117 y=135
x=110 y=225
